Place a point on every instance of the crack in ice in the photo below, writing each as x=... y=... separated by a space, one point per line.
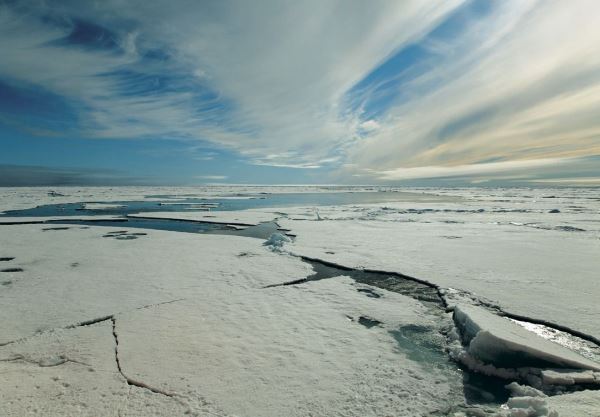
x=131 y=381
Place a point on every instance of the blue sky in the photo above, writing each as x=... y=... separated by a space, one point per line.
x=452 y=92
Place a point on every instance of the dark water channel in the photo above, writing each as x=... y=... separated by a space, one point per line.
x=260 y=231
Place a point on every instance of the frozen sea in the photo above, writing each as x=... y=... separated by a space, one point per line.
x=298 y=301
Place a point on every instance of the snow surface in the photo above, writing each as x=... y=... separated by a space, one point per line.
x=238 y=217
x=514 y=254
x=577 y=404
x=75 y=275
x=73 y=373
x=195 y=324
x=198 y=333
x=287 y=351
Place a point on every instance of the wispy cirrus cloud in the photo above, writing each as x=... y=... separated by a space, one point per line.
x=386 y=91
x=257 y=78
x=520 y=88
x=212 y=177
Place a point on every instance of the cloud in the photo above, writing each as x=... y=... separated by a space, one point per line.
x=465 y=170
x=521 y=85
x=386 y=91
x=212 y=177
x=25 y=176
x=570 y=181
x=369 y=126
x=258 y=78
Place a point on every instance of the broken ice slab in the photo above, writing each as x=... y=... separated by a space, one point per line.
x=496 y=340
x=570 y=377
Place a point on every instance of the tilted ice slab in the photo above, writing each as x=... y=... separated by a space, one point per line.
x=499 y=341
x=237 y=217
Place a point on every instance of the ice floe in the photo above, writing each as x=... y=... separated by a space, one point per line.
x=529 y=272
x=504 y=344
x=131 y=322
x=238 y=217
x=197 y=331
x=101 y=206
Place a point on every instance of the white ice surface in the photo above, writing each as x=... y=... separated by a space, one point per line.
x=238 y=217
x=577 y=404
x=510 y=246
x=101 y=206
x=193 y=320
x=76 y=274
x=284 y=351
x=545 y=274
x=74 y=373
x=492 y=339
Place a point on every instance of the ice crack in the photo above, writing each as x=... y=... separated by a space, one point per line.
x=131 y=381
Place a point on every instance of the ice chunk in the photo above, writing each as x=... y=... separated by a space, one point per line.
x=517 y=390
x=529 y=407
x=497 y=340
x=102 y=206
x=569 y=377
x=277 y=240
x=236 y=217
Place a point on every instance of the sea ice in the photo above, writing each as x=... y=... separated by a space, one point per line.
x=276 y=241
x=196 y=326
x=101 y=206
x=238 y=217
x=515 y=268
x=498 y=341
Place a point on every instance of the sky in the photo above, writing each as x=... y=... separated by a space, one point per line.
x=186 y=92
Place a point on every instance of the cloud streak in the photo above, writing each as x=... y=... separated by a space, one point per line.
x=260 y=79
x=524 y=91
x=384 y=90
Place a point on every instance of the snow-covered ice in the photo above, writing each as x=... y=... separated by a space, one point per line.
x=101 y=206
x=179 y=323
x=194 y=320
x=499 y=341
x=545 y=274
x=292 y=351
x=238 y=217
